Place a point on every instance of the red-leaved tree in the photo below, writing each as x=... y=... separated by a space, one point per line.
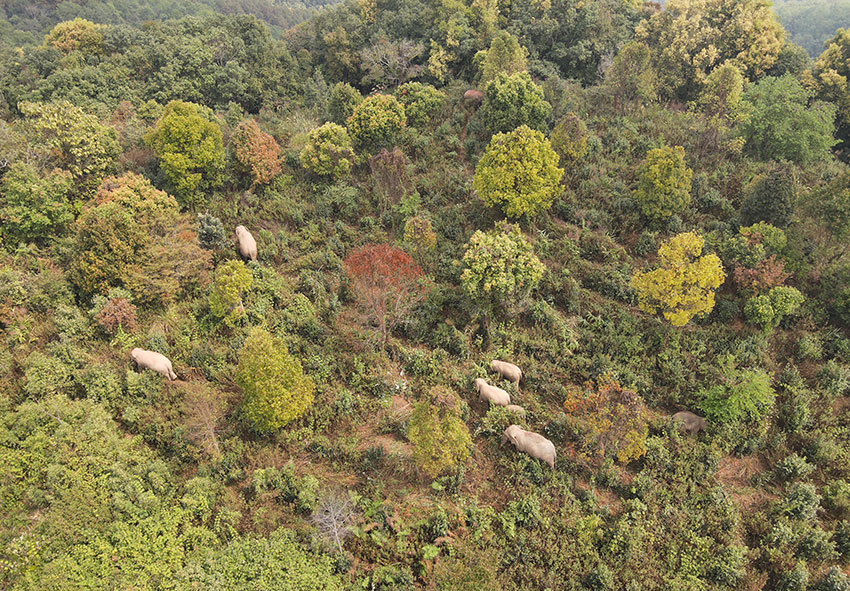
x=387 y=282
x=256 y=151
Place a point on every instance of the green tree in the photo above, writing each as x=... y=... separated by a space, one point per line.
x=76 y=35
x=35 y=206
x=780 y=124
x=722 y=94
x=376 y=122
x=420 y=102
x=684 y=284
x=276 y=389
x=70 y=138
x=829 y=78
x=344 y=99
x=771 y=197
x=505 y=55
x=276 y=563
x=499 y=269
x=632 y=79
x=664 y=183
x=519 y=172
x=738 y=395
x=328 y=151
x=190 y=147
x=419 y=238
x=570 y=138
x=440 y=438
x=693 y=37
x=511 y=101
x=232 y=280
x=768 y=310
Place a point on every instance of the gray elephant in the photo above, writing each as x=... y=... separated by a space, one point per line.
x=509 y=371
x=247 y=244
x=517 y=410
x=533 y=444
x=691 y=423
x=158 y=362
x=491 y=394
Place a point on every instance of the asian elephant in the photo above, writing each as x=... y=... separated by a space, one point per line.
x=509 y=371
x=491 y=394
x=691 y=423
x=247 y=244
x=158 y=362
x=533 y=444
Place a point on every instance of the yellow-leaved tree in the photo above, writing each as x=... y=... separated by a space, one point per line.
x=683 y=286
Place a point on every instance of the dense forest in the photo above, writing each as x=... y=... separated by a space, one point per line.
x=447 y=295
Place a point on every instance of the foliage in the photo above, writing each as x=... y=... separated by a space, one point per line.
x=739 y=395
x=72 y=139
x=829 y=77
x=519 y=172
x=328 y=151
x=344 y=99
x=664 y=183
x=276 y=563
x=256 y=151
x=76 y=35
x=440 y=438
x=781 y=125
x=722 y=95
x=632 y=78
x=420 y=101
x=695 y=37
x=499 y=269
x=771 y=198
x=35 y=206
x=232 y=280
x=132 y=235
x=276 y=389
x=683 y=286
x=117 y=314
x=387 y=282
x=570 y=139
x=190 y=147
x=420 y=237
x=768 y=310
x=505 y=55
x=612 y=421
x=514 y=100
x=211 y=234
x=376 y=122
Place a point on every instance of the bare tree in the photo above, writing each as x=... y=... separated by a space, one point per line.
x=333 y=517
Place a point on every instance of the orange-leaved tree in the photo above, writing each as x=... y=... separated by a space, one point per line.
x=256 y=151
x=387 y=281
x=610 y=420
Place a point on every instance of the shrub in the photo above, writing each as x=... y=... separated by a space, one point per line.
x=344 y=99
x=35 y=206
x=440 y=438
x=836 y=498
x=117 y=313
x=683 y=287
x=519 y=172
x=771 y=197
x=420 y=102
x=256 y=151
x=664 y=183
x=570 y=139
x=514 y=100
x=741 y=395
x=834 y=580
x=276 y=389
x=499 y=269
x=328 y=151
x=78 y=34
x=232 y=280
x=769 y=310
x=420 y=238
x=376 y=122
x=211 y=233
x=801 y=502
x=793 y=467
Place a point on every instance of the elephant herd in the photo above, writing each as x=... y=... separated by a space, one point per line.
x=533 y=444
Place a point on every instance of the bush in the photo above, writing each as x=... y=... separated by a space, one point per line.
x=769 y=310
x=771 y=198
x=420 y=102
x=376 y=122
x=344 y=99
x=519 y=172
x=512 y=101
x=35 y=206
x=276 y=389
x=328 y=151
x=740 y=396
x=836 y=499
x=801 y=502
x=211 y=233
x=256 y=151
x=570 y=139
x=664 y=183
x=232 y=280
x=835 y=580
x=793 y=467
x=440 y=438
